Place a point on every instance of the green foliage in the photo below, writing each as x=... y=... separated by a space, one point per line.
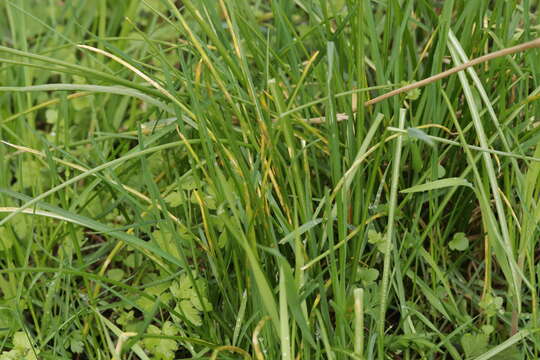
x=174 y=199
x=22 y=348
x=175 y=173
x=167 y=242
x=491 y=305
x=474 y=344
x=189 y=302
x=6 y=238
x=368 y=275
x=76 y=344
x=459 y=242
x=162 y=348
x=115 y=274
x=378 y=239
x=412 y=94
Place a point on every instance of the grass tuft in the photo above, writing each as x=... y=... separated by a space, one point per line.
x=263 y=180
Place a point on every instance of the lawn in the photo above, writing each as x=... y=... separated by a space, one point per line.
x=203 y=179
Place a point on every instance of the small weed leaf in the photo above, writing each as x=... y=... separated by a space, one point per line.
x=7 y=322
x=410 y=240
x=51 y=116
x=374 y=237
x=368 y=275
x=188 y=301
x=21 y=340
x=174 y=199
x=492 y=305
x=186 y=308
x=6 y=239
x=383 y=210
x=379 y=240
x=31 y=173
x=189 y=183
x=158 y=291
x=115 y=274
x=125 y=318
x=459 y=242
x=512 y=353
x=129 y=261
x=441 y=171
x=371 y=299
x=166 y=242
x=487 y=329
x=474 y=344
x=22 y=348
x=76 y=344
x=163 y=349
x=81 y=103
x=413 y=94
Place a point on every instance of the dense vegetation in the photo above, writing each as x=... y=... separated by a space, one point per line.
x=200 y=179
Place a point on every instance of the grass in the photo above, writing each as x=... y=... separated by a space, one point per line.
x=201 y=179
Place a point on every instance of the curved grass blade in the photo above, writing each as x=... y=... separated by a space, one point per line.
x=438 y=184
x=116 y=90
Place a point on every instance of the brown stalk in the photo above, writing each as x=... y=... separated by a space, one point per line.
x=496 y=54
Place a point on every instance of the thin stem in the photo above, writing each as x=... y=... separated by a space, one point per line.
x=359 y=322
x=507 y=51
x=389 y=235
